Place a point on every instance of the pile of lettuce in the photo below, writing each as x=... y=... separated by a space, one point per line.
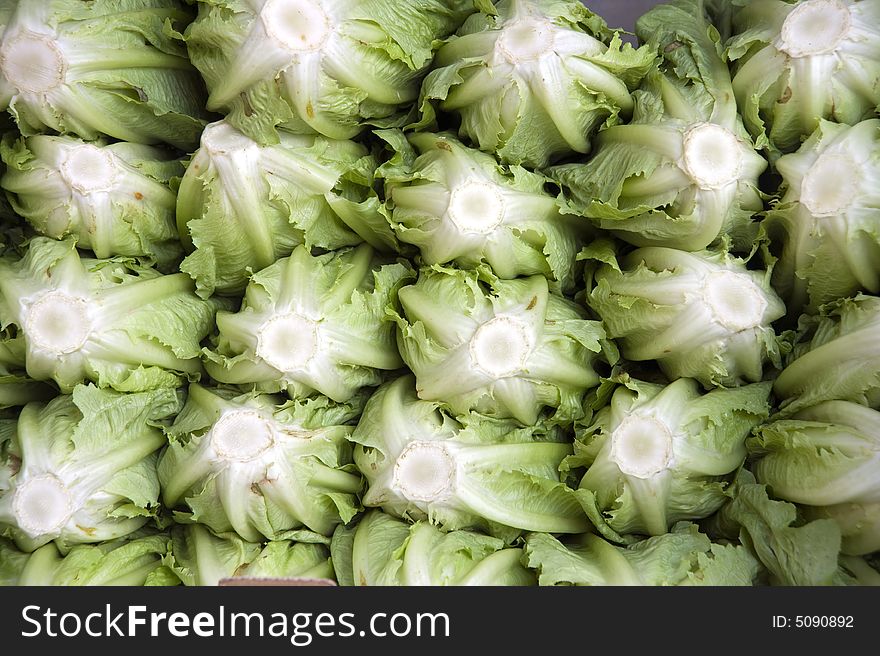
x=439 y=292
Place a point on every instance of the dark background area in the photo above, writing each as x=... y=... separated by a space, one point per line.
x=620 y=13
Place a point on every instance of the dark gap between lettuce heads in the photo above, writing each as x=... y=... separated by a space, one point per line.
x=621 y=13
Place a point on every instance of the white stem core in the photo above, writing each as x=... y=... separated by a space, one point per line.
x=89 y=169
x=42 y=505
x=221 y=139
x=425 y=471
x=476 y=207
x=288 y=342
x=814 y=27
x=734 y=300
x=526 y=40
x=713 y=156
x=241 y=435
x=300 y=26
x=32 y=62
x=501 y=347
x=58 y=323
x=831 y=185
x=641 y=446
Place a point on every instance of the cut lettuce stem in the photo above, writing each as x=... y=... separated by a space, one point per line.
x=33 y=62
x=814 y=27
x=41 y=505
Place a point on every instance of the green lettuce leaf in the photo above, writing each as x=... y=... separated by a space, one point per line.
x=699 y=315
x=82 y=468
x=660 y=454
x=458 y=204
x=826 y=457
x=136 y=84
x=797 y=63
x=382 y=550
x=683 y=173
x=313 y=324
x=316 y=66
x=794 y=552
x=506 y=348
x=533 y=80
x=473 y=472
x=242 y=206
x=826 y=226
x=115 y=199
x=199 y=557
x=257 y=466
x=684 y=556
x=128 y=562
x=114 y=322
x=837 y=357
